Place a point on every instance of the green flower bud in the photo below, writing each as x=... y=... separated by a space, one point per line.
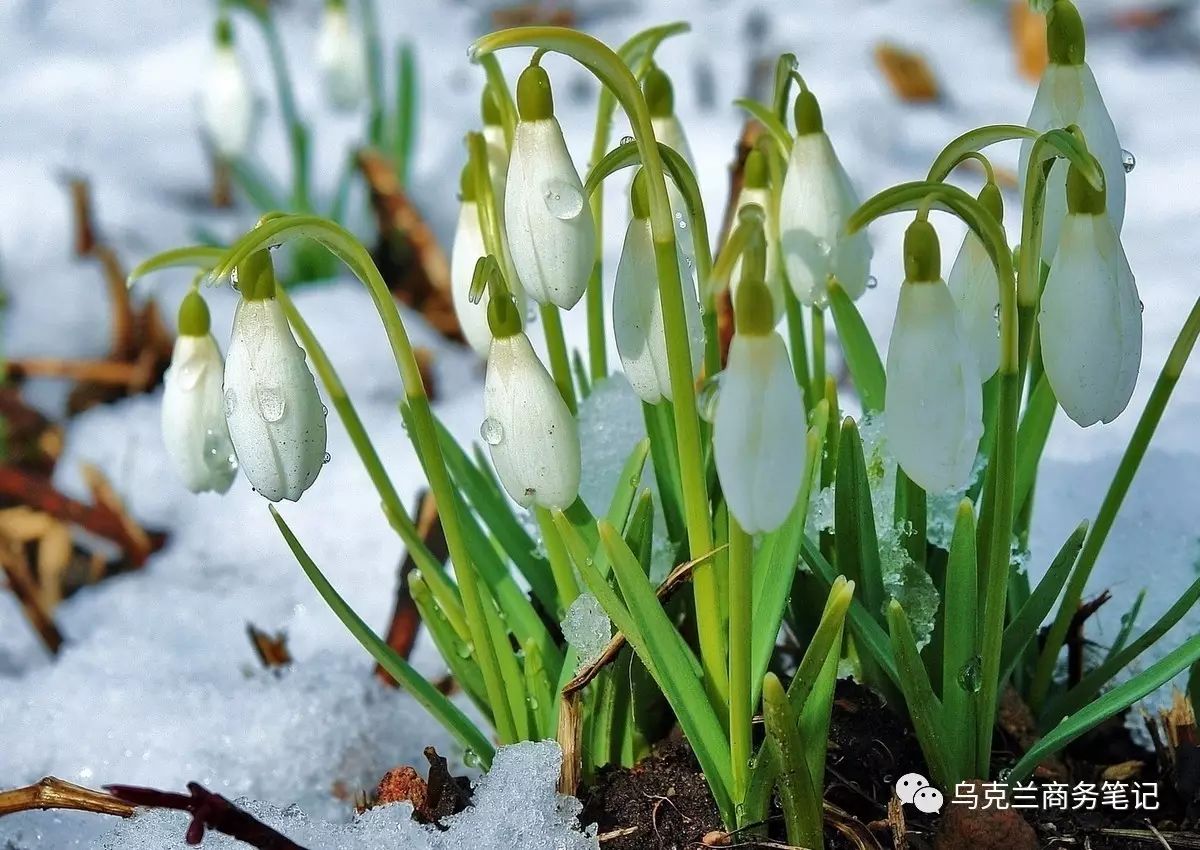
x=1065 y=38
x=1082 y=197
x=535 y=100
x=753 y=310
x=659 y=93
x=503 y=318
x=755 y=173
x=639 y=197
x=992 y=201
x=489 y=108
x=223 y=32
x=922 y=254
x=256 y=277
x=194 y=319
x=808 y=114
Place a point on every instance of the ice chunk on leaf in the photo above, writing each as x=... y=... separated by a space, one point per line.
x=587 y=628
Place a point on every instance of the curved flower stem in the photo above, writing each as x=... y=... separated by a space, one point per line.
x=1122 y=479
x=741 y=557
x=293 y=127
x=616 y=76
x=556 y=346
x=560 y=561
x=503 y=95
x=818 y=351
x=342 y=244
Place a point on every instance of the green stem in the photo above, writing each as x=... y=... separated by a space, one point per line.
x=741 y=552
x=373 y=47
x=294 y=129
x=617 y=78
x=1126 y=470
x=560 y=562
x=818 y=352
x=556 y=346
x=799 y=346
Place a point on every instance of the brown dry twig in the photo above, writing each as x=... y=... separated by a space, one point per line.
x=907 y=73
x=272 y=649
x=54 y=793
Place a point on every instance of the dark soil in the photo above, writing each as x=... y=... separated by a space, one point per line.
x=663 y=803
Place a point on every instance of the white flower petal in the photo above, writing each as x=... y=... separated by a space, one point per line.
x=1091 y=322
x=276 y=419
x=934 y=401
x=342 y=60
x=533 y=438
x=774 y=277
x=227 y=104
x=1068 y=94
x=976 y=291
x=193 y=417
x=816 y=201
x=547 y=218
x=638 y=320
x=497 y=156
x=468 y=248
x=759 y=428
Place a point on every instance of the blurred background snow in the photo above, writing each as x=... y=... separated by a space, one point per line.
x=157 y=684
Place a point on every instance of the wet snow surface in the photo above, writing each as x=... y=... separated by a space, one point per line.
x=158 y=684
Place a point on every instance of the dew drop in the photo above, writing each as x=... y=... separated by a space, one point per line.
x=970 y=677
x=230 y=403
x=328 y=457
x=1128 y=161
x=233 y=280
x=324 y=410
x=492 y=431
x=706 y=399
x=271 y=404
x=872 y=281
x=564 y=201
x=627 y=140
x=218 y=452
x=996 y=312
x=190 y=372
x=824 y=247
x=1141 y=306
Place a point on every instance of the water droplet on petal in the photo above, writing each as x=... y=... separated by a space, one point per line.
x=706 y=399
x=1128 y=161
x=190 y=372
x=218 y=452
x=996 y=312
x=328 y=457
x=872 y=281
x=230 y=403
x=970 y=677
x=1141 y=306
x=233 y=280
x=271 y=404
x=564 y=201
x=492 y=431
x=824 y=247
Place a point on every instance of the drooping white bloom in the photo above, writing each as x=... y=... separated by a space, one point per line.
x=1068 y=94
x=341 y=58
x=1091 y=321
x=532 y=436
x=976 y=291
x=276 y=419
x=669 y=130
x=548 y=220
x=759 y=432
x=933 y=401
x=497 y=157
x=468 y=248
x=193 y=416
x=816 y=202
x=227 y=103
x=638 y=319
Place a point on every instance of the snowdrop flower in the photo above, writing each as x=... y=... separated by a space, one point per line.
x=817 y=200
x=548 y=221
x=532 y=436
x=759 y=424
x=276 y=418
x=341 y=57
x=755 y=192
x=976 y=290
x=1091 y=316
x=660 y=100
x=1067 y=95
x=934 y=401
x=469 y=246
x=193 y=417
x=227 y=101
x=637 y=309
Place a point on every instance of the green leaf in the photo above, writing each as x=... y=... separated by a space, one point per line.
x=201 y=257
x=405 y=119
x=763 y=115
x=799 y=799
x=856 y=545
x=1112 y=703
x=1031 y=439
x=862 y=357
x=961 y=661
x=455 y=651
x=1090 y=685
x=1128 y=621
x=1023 y=628
x=924 y=708
x=434 y=701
